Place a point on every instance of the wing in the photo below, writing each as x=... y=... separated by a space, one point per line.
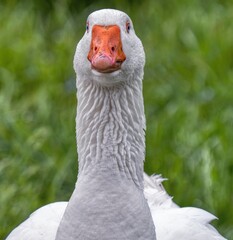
x=184 y=223
x=171 y=221
x=41 y=225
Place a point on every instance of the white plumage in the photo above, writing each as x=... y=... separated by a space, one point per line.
x=171 y=221
x=110 y=127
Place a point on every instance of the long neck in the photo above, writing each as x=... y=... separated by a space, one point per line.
x=108 y=200
x=110 y=127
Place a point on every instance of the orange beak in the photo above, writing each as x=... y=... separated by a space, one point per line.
x=106 y=54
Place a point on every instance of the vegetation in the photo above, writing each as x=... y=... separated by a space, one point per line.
x=188 y=100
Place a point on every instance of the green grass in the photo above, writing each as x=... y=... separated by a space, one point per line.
x=188 y=100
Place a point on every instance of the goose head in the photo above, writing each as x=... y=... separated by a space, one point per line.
x=109 y=53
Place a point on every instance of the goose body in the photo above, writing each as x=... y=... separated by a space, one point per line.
x=113 y=198
x=171 y=221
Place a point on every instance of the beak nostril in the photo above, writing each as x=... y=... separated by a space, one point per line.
x=95 y=49
x=113 y=49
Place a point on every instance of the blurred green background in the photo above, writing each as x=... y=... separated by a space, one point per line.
x=188 y=91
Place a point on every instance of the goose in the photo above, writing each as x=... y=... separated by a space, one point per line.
x=113 y=198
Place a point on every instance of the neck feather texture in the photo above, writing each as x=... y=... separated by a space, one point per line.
x=110 y=127
x=108 y=200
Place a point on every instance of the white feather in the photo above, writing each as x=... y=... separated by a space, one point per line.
x=171 y=221
x=42 y=224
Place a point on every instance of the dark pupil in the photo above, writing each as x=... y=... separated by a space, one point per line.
x=87 y=27
x=128 y=27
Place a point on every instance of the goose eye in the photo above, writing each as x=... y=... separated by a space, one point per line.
x=87 y=27
x=128 y=27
